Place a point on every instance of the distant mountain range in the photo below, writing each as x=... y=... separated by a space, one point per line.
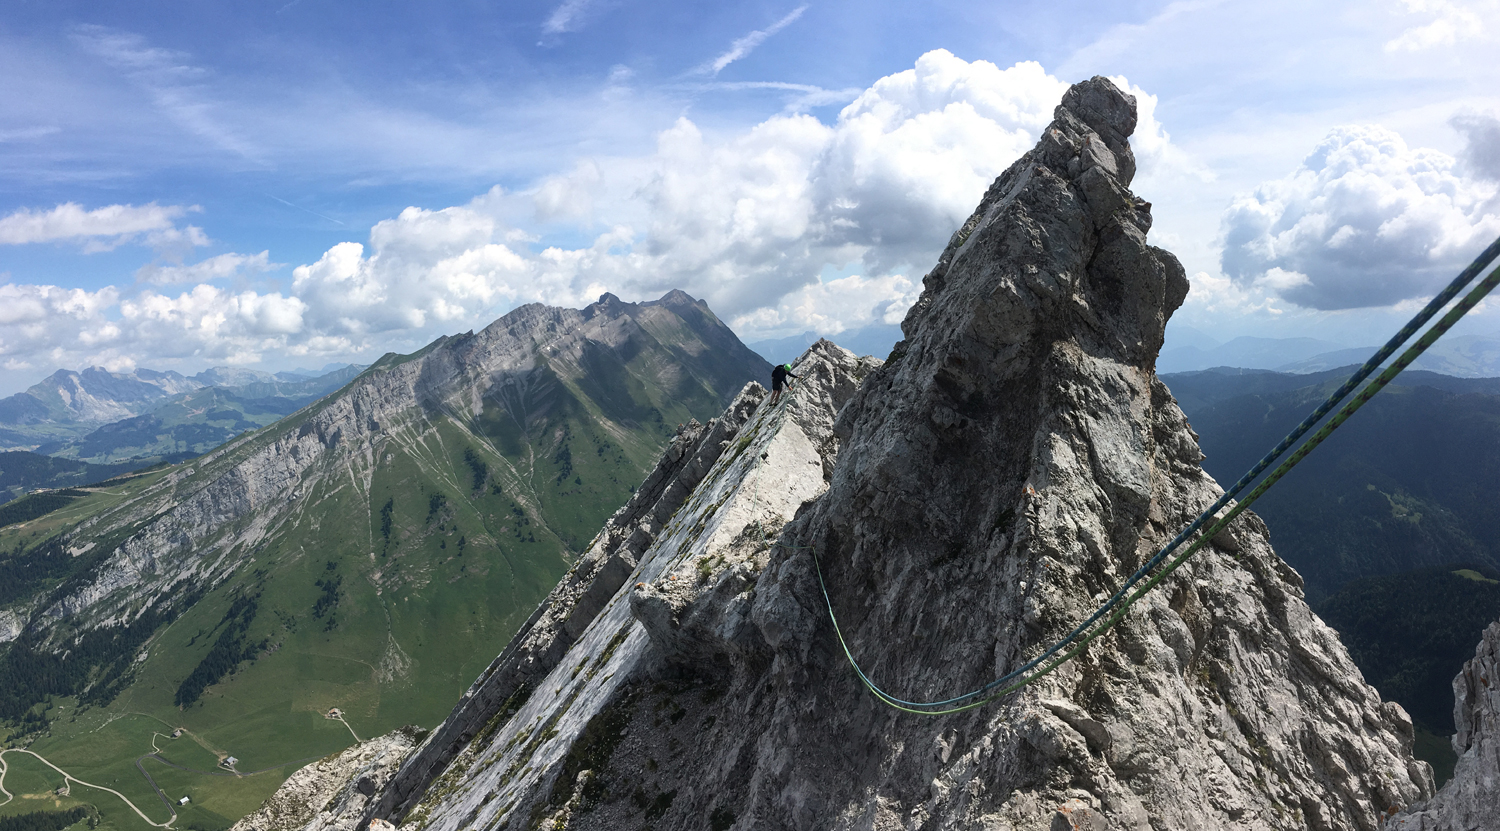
x=1406 y=483
x=107 y=417
x=1187 y=350
x=871 y=340
x=371 y=552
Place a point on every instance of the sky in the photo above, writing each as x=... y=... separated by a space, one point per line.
x=293 y=183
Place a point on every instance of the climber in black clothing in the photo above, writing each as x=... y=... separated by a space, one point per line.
x=778 y=378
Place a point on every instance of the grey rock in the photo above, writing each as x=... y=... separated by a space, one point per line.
x=975 y=498
x=716 y=500
x=200 y=524
x=330 y=794
x=1470 y=801
x=563 y=617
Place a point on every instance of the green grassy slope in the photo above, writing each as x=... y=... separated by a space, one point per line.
x=1410 y=634
x=385 y=579
x=1403 y=484
x=22 y=471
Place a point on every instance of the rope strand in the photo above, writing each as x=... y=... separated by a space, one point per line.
x=1121 y=601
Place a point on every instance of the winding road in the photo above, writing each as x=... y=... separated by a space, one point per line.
x=4 y=768
x=165 y=800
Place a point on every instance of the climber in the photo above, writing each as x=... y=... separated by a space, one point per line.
x=778 y=377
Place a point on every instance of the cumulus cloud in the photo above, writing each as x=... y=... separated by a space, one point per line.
x=748 y=221
x=102 y=228
x=1481 y=155
x=1364 y=221
x=222 y=267
x=837 y=306
x=1448 y=23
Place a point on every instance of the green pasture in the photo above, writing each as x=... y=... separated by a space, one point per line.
x=388 y=583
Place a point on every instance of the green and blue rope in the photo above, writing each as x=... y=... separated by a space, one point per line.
x=1116 y=606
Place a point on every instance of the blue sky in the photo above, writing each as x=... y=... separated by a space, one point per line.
x=276 y=184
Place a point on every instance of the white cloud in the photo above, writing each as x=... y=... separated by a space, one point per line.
x=105 y=227
x=837 y=306
x=1481 y=155
x=1365 y=221
x=745 y=45
x=747 y=221
x=1449 y=23
x=1155 y=154
x=222 y=267
x=570 y=196
x=567 y=17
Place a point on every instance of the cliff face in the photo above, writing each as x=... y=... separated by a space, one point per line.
x=371 y=552
x=672 y=573
x=339 y=785
x=1014 y=461
x=1470 y=801
x=200 y=521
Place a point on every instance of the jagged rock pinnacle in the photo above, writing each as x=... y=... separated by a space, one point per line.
x=1001 y=474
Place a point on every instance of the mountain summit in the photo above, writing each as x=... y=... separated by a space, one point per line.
x=368 y=553
x=978 y=496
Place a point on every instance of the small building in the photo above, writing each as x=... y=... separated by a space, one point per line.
x=183 y=801
x=229 y=762
x=335 y=713
x=63 y=791
x=177 y=734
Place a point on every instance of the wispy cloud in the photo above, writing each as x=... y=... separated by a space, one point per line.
x=567 y=17
x=745 y=45
x=27 y=133
x=802 y=96
x=305 y=210
x=176 y=86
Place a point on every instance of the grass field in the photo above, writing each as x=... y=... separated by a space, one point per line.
x=387 y=580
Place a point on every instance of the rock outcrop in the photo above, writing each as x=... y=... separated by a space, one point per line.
x=331 y=793
x=568 y=610
x=1470 y=801
x=978 y=496
x=680 y=557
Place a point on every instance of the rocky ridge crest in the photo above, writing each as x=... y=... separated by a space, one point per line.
x=689 y=549
x=995 y=480
x=209 y=515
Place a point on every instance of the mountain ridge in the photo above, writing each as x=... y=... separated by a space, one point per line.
x=978 y=495
x=362 y=552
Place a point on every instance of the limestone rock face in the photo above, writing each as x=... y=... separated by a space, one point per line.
x=198 y=525
x=557 y=623
x=331 y=793
x=10 y=626
x=667 y=585
x=1470 y=801
x=975 y=498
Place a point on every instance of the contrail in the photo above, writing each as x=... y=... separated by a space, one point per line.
x=300 y=208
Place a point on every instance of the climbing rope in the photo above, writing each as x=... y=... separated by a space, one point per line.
x=1114 y=609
